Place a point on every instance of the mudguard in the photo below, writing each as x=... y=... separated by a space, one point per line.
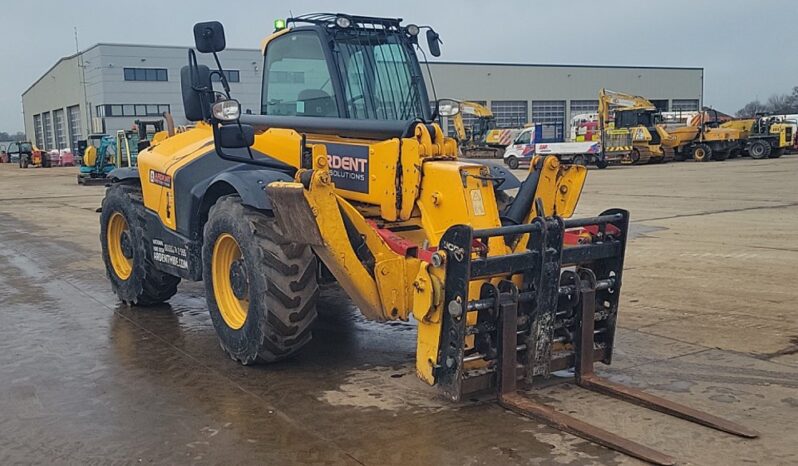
x=123 y=174
x=251 y=185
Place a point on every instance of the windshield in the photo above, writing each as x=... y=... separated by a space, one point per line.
x=380 y=78
x=375 y=76
x=296 y=79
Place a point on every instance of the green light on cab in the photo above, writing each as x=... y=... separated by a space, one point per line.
x=279 y=24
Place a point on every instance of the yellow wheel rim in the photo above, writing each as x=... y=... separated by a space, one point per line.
x=117 y=229
x=226 y=256
x=699 y=153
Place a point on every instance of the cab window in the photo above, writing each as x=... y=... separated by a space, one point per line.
x=296 y=80
x=523 y=138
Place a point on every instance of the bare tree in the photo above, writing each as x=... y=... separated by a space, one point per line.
x=778 y=104
x=751 y=109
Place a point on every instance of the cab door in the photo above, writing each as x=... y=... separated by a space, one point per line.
x=524 y=145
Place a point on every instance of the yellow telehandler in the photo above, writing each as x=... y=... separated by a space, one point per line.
x=345 y=177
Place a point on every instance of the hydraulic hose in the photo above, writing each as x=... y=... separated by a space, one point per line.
x=517 y=211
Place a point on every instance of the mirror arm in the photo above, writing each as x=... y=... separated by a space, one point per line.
x=222 y=77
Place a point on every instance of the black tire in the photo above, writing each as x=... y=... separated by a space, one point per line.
x=145 y=285
x=512 y=162
x=601 y=164
x=759 y=150
x=579 y=159
x=634 y=157
x=776 y=153
x=702 y=153
x=279 y=284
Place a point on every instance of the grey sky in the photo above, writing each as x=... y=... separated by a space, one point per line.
x=748 y=48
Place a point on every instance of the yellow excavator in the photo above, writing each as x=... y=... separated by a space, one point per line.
x=483 y=139
x=473 y=141
x=635 y=135
x=343 y=178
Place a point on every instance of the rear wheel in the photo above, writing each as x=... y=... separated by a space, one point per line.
x=128 y=262
x=702 y=153
x=759 y=150
x=512 y=162
x=260 y=288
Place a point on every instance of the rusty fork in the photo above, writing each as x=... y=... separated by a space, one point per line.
x=585 y=377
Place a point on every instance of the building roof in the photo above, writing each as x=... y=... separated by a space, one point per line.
x=62 y=59
x=546 y=65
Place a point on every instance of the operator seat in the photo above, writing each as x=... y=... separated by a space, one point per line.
x=317 y=103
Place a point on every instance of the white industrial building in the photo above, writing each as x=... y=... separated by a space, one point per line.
x=109 y=86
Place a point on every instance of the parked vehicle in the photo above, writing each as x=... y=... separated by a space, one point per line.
x=28 y=155
x=545 y=139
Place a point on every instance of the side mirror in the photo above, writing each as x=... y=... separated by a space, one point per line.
x=209 y=37
x=195 y=103
x=434 y=43
x=236 y=137
x=447 y=107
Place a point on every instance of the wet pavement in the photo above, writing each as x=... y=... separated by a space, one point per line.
x=707 y=319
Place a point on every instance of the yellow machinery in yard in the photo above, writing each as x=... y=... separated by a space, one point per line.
x=704 y=138
x=763 y=137
x=636 y=135
x=483 y=138
x=344 y=177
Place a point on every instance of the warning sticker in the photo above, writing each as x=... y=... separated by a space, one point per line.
x=476 y=202
x=160 y=179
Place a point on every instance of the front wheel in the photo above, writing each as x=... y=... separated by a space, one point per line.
x=512 y=162
x=759 y=150
x=128 y=262
x=702 y=153
x=260 y=288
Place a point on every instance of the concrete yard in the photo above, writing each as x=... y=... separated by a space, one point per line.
x=708 y=317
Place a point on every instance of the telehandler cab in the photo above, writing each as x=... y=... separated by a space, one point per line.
x=345 y=176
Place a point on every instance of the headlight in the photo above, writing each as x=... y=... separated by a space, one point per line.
x=227 y=110
x=412 y=29
x=448 y=107
x=343 y=22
